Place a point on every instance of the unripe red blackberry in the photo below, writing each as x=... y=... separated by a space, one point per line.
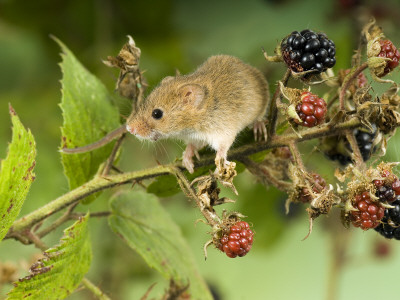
x=368 y=214
x=305 y=195
x=311 y=110
x=386 y=192
x=307 y=50
x=388 y=50
x=396 y=186
x=237 y=241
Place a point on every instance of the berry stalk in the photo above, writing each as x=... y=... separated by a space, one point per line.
x=347 y=83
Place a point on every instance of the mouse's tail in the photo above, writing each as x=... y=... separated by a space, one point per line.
x=100 y=143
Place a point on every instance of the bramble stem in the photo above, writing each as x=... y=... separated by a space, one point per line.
x=356 y=150
x=272 y=111
x=346 y=84
x=96 y=184
x=297 y=156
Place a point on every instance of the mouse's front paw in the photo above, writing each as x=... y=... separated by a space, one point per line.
x=187 y=162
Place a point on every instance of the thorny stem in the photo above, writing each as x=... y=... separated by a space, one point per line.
x=94 y=289
x=190 y=192
x=275 y=101
x=104 y=182
x=296 y=155
x=356 y=150
x=347 y=82
x=96 y=184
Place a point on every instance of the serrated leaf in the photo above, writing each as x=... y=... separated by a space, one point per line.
x=89 y=115
x=61 y=270
x=147 y=228
x=16 y=173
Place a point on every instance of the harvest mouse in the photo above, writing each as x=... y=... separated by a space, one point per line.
x=207 y=107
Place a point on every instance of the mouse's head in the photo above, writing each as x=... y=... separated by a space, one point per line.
x=170 y=109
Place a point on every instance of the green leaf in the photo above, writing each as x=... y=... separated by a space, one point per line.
x=89 y=115
x=140 y=220
x=16 y=173
x=164 y=186
x=59 y=273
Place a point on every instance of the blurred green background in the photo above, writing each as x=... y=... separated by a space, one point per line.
x=178 y=34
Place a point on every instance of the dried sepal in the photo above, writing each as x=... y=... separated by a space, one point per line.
x=130 y=83
x=225 y=173
x=275 y=58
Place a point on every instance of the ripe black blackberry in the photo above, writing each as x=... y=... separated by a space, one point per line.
x=339 y=149
x=307 y=50
x=365 y=141
x=390 y=223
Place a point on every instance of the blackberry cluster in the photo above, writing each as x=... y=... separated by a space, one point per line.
x=307 y=50
x=388 y=50
x=305 y=195
x=238 y=241
x=368 y=214
x=365 y=141
x=311 y=110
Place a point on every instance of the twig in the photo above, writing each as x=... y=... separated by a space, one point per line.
x=61 y=220
x=114 y=152
x=272 y=111
x=36 y=240
x=348 y=80
x=296 y=155
x=99 y=214
x=94 y=289
x=356 y=150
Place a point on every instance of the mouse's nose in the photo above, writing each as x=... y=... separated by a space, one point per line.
x=131 y=129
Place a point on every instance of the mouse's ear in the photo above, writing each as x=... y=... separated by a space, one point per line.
x=193 y=94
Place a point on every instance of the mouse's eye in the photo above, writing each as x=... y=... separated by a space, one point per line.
x=157 y=114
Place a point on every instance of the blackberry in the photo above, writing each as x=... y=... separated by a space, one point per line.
x=365 y=141
x=388 y=50
x=387 y=191
x=390 y=223
x=307 y=50
x=368 y=214
x=311 y=110
x=238 y=241
x=338 y=148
